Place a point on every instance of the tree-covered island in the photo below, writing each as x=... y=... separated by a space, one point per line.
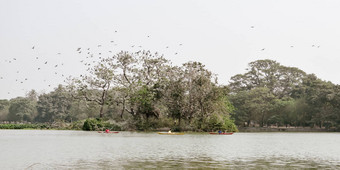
x=144 y=91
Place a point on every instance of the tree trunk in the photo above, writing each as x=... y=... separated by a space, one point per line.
x=101 y=114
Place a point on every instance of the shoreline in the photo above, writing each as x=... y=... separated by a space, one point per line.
x=283 y=129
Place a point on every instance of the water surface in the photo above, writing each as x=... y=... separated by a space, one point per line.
x=48 y=149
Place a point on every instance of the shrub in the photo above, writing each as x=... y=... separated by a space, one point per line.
x=90 y=125
x=98 y=124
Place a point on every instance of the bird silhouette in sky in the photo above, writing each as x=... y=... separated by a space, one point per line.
x=33 y=48
x=78 y=49
x=46 y=62
x=263 y=49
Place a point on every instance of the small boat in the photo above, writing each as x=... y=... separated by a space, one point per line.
x=224 y=133
x=107 y=132
x=172 y=133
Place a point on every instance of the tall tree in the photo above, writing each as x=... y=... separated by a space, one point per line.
x=21 y=109
x=54 y=106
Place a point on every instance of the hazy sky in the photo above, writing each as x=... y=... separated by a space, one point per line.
x=225 y=35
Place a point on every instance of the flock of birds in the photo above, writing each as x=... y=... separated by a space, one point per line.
x=89 y=56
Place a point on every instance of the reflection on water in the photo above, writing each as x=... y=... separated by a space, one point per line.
x=30 y=149
x=207 y=163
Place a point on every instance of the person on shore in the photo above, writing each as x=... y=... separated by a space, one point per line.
x=219 y=132
x=169 y=131
x=107 y=131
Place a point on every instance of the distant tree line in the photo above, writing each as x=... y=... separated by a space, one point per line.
x=272 y=94
x=144 y=91
x=139 y=91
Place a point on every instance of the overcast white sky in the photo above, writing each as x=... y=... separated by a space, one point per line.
x=218 y=33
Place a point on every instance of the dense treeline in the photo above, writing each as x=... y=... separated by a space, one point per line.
x=272 y=94
x=136 y=91
x=143 y=91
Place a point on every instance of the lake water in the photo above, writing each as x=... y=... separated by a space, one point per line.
x=48 y=149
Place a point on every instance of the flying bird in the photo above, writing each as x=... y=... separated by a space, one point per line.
x=46 y=62
x=78 y=49
x=33 y=48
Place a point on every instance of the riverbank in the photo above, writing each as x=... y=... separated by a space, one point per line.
x=283 y=129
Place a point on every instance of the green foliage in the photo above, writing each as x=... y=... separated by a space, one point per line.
x=229 y=125
x=54 y=106
x=98 y=124
x=91 y=124
x=4 y=106
x=22 y=126
x=223 y=123
x=144 y=125
x=143 y=91
x=21 y=109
